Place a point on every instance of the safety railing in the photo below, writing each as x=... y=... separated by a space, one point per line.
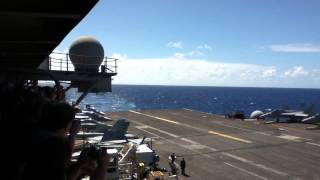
x=62 y=62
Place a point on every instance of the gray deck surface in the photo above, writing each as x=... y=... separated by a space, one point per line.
x=219 y=148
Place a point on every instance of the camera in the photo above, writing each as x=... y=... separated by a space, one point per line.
x=90 y=153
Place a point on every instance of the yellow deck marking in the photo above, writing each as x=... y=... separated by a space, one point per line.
x=230 y=137
x=155 y=117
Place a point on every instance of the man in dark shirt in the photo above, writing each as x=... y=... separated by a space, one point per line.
x=173 y=157
x=183 y=166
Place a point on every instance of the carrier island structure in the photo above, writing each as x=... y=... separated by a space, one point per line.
x=214 y=147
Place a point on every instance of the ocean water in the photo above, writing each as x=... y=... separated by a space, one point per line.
x=217 y=100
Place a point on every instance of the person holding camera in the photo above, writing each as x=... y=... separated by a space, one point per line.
x=92 y=162
x=51 y=148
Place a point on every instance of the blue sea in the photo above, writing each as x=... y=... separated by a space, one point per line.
x=216 y=100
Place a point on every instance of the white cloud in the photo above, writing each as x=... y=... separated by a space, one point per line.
x=295 y=48
x=315 y=74
x=269 y=72
x=179 y=70
x=177 y=45
x=119 y=56
x=297 y=71
x=195 y=53
x=181 y=55
x=204 y=46
x=183 y=69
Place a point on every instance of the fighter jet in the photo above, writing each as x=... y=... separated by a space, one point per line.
x=116 y=132
x=285 y=115
x=280 y=115
x=95 y=126
x=95 y=114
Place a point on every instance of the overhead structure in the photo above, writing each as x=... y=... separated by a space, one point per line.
x=32 y=29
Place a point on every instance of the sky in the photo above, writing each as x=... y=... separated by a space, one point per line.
x=248 y=43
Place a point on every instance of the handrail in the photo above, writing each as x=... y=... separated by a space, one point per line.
x=63 y=63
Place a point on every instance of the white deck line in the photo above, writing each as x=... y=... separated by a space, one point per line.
x=156 y=135
x=155 y=117
x=261 y=166
x=314 y=144
x=159 y=130
x=189 y=141
x=244 y=170
x=289 y=137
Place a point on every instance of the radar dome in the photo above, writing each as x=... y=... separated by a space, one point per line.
x=256 y=114
x=86 y=54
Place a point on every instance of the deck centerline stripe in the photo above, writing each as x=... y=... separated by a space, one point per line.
x=155 y=117
x=230 y=137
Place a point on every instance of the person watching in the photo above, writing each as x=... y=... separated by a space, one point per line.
x=52 y=146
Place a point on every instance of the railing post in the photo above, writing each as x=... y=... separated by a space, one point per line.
x=60 y=64
x=115 y=62
x=49 y=63
x=106 y=63
x=67 y=62
x=103 y=69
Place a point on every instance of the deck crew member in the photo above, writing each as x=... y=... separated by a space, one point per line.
x=183 y=166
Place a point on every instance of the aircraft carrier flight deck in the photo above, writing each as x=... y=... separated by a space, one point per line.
x=219 y=148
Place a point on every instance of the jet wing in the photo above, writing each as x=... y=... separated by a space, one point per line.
x=312 y=120
x=88 y=134
x=296 y=114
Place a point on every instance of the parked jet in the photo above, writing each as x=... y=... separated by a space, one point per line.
x=95 y=126
x=116 y=132
x=280 y=115
x=97 y=115
x=285 y=115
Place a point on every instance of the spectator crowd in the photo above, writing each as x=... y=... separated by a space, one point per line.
x=39 y=133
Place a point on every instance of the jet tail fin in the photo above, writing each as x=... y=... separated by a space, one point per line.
x=118 y=131
x=310 y=110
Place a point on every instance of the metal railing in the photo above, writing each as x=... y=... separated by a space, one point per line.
x=62 y=62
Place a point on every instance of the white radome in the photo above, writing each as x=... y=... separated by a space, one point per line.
x=256 y=114
x=86 y=54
